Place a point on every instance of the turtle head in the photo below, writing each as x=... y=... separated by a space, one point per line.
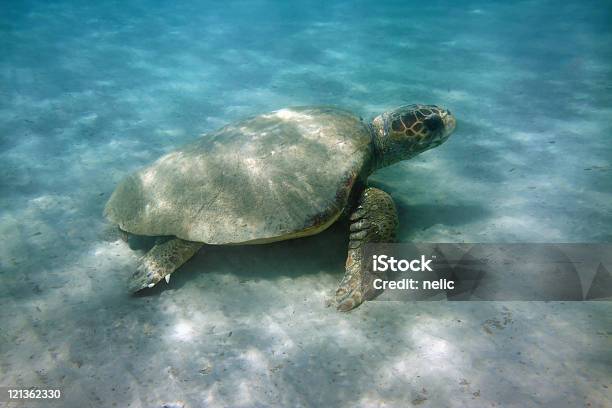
x=409 y=130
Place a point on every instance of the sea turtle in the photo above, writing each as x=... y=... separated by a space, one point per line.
x=286 y=174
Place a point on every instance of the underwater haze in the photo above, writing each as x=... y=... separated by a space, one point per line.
x=92 y=91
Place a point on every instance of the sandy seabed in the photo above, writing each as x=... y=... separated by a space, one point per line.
x=89 y=93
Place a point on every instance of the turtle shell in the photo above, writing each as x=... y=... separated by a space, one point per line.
x=276 y=176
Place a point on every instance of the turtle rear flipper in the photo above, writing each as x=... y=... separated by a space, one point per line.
x=162 y=260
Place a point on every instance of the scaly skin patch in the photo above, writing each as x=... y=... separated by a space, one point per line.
x=161 y=261
x=374 y=220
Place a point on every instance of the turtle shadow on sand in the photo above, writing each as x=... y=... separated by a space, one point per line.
x=324 y=252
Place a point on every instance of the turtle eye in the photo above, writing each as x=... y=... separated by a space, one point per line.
x=433 y=123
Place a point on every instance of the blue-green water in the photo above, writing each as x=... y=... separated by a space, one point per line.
x=92 y=92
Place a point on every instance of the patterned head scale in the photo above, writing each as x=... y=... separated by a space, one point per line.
x=428 y=124
x=411 y=129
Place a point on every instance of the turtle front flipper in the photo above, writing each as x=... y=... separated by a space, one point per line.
x=161 y=261
x=374 y=220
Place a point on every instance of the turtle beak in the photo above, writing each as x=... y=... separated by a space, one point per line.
x=450 y=123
